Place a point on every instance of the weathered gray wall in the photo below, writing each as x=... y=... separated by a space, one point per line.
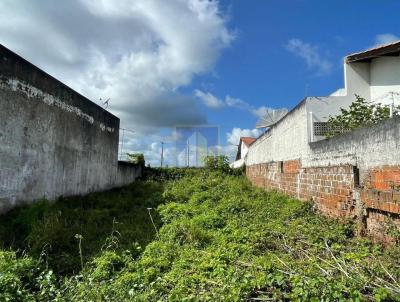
x=127 y=173
x=354 y=176
x=286 y=140
x=365 y=148
x=53 y=141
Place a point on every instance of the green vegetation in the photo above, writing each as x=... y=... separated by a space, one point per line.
x=48 y=231
x=136 y=158
x=218 y=239
x=360 y=114
x=217 y=163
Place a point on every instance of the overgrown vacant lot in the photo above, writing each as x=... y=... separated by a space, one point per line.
x=219 y=239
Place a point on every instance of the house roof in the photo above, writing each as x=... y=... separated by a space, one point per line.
x=247 y=140
x=392 y=49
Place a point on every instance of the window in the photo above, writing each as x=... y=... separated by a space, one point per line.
x=322 y=128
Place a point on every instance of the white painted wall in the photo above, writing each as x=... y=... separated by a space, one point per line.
x=357 y=80
x=290 y=138
x=365 y=148
x=385 y=79
x=286 y=140
x=241 y=161
x=243 y=151
x=374 y=81
x=237 y=163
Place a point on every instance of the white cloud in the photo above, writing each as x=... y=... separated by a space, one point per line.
x=214 y=102
x=234 y=136
x=310 y=54
x=150 y=146
x=237 y=103
x=387 y=38
x=137 y=53
x=209 y=99
x=228 y=150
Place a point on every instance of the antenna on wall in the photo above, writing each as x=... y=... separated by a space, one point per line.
x=105 y=103
x=271 y=117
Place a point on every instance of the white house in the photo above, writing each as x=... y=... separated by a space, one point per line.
x=373 y=74
x=243 y=148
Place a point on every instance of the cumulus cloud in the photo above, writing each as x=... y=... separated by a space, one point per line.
x=150 y=146
x=209 y=99
x=310 y=54
x=234 y=136
x=214 y=102
x=137 y=53
x=387 y=38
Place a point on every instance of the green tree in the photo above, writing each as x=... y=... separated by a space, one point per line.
x=360 y=114
x=136 y=158
x=217 y=163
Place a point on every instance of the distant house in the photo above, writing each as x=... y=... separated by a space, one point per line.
x=346 y=175
x=243 y=148
x=373 y=74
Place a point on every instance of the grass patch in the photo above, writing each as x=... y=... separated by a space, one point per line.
x=221 y=240
x=116 y=219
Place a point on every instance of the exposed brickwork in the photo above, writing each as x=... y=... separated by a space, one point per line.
x=384 y=178
x=291 y=166
x=336 y=192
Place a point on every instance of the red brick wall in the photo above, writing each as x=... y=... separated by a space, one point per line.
x=381 y=197
x=336 y=192
x=384 y=178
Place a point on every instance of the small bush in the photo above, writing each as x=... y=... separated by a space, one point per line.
x=360 y=114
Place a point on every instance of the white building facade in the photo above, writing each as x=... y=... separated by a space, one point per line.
x=373 y=74
x=243 y=148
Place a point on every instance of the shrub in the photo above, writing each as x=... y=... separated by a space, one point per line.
x=221 y=240
x=360 y=114
x=136 y=158
x=48 y=230
x=217 y=163
x=24 y=279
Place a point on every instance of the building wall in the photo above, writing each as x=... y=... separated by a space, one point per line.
x=53 y=141
x=244 y=149
x=127 y=173
x=284 y=141
x=385 y=78
x=357 y=79
x=355 y=175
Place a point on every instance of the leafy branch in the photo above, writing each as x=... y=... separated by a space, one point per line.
x=360 y=114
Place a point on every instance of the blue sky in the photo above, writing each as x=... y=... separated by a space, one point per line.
x=259 y=69
x=165 y=63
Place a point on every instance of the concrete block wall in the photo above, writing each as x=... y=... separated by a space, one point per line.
x=53 y=141
x=127 y=173
x=351 y=176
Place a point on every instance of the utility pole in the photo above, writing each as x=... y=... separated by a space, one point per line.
x=188 y=154
x=162 y=153
x=122 y=141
